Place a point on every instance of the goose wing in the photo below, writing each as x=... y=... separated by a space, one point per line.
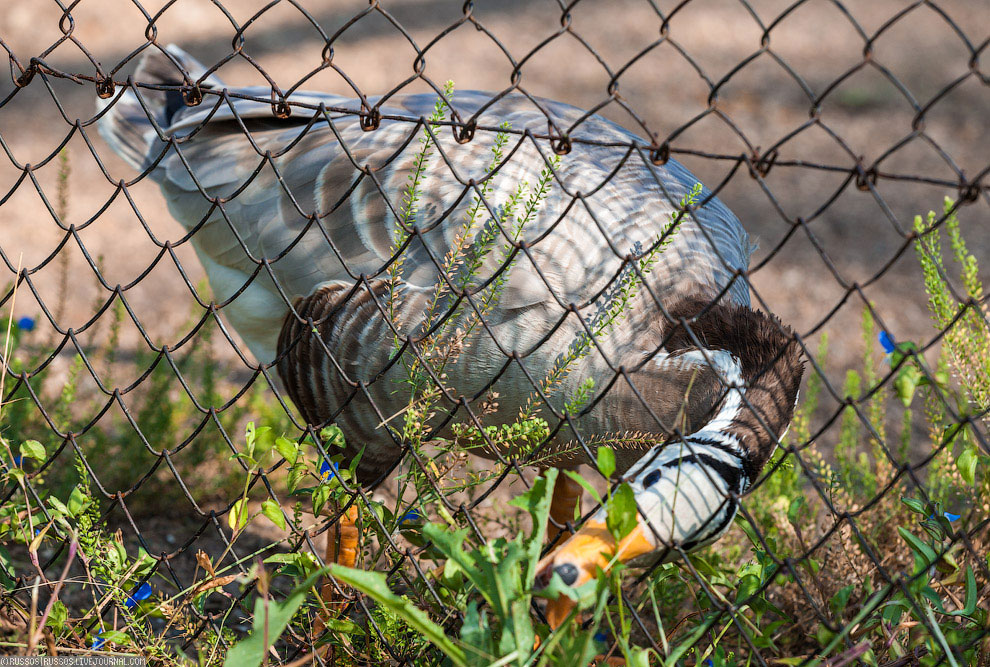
x=279 y=207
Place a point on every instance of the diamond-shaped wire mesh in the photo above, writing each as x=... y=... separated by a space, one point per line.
x=288 y=155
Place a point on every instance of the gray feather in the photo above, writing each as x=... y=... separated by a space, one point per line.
x=319 y=220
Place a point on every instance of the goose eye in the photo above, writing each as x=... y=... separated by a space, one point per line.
x=651 y=479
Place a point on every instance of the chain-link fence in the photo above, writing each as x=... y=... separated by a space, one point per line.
x=421 y=296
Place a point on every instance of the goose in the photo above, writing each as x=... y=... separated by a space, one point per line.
x=299 y=223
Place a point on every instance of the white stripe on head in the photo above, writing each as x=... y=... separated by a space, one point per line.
x=689 y=500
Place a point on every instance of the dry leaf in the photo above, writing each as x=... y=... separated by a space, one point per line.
x=217 y=582
x=204 y=562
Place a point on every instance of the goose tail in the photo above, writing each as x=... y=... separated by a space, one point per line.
x=136 y=120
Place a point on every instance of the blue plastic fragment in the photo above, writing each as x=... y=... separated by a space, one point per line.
x=25 y=324
x=143 y=592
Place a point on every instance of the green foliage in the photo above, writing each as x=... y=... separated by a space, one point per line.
x=519 y=436
x=621 y=512
x=491 y=583
x=965 y=352
x=967 y=338
x=375 y=585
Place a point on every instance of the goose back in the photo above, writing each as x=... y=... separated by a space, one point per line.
x=301 y=218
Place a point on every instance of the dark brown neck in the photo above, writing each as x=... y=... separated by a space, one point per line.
x=764 y=358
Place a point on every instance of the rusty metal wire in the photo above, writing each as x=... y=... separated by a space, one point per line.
x=870 y=168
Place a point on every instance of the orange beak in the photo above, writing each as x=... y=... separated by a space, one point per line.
x=578 y=559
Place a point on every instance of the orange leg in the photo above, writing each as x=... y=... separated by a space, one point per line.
x=342 y=549
x=566 y=496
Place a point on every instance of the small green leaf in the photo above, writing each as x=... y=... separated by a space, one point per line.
x=922 y=550
x=747 y=586
x=824 y=636
x=237 y=518
x=57 y=617
x=273 y=511
x=300 y=564
x=902 y=350
x=244 y=457
x=283 y=558
x=59 y=506
x=971 y=592
x=115 y=637
x=145 y=563
x=118 y=554
x=295 y=475
x=289 y=449
x=332 y=436
x=476 y=633
x=915 y=505
x=621 y=512
x=841 y=599
x=77 y=501
x=906 y=382
x=8 y=569
x=971 y=596
x=892 y=611
x=320 y=496
x=929 y=593
x=340 y=626
x=606 y=461
x=966 y=463
x=264 y=440
x=637 y=657
x=33 y=450
x=249 y=439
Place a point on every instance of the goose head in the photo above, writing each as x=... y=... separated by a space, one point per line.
x=687 y=487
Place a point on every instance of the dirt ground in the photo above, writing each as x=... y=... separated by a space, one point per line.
x=920 y=104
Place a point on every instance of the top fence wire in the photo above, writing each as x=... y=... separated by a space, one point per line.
x=379 y=309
